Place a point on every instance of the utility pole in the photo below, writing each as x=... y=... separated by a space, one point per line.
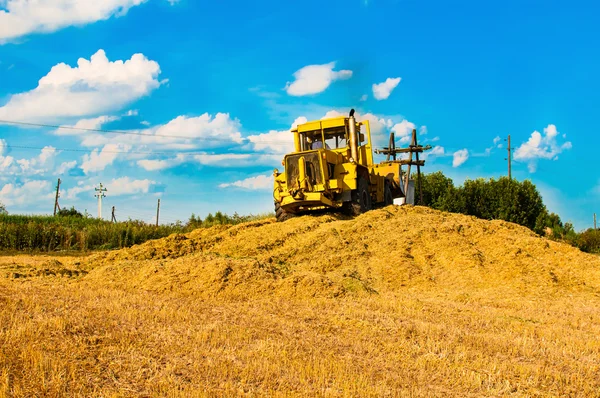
x=113 y=218
x=56 y=206
x=100 y=195
x=509 y=149
x=157 y=211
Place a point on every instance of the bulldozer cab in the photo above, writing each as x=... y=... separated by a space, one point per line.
x=331 y=134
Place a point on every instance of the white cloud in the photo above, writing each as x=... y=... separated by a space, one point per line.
x=276 y=141
x=82 y=125
x=127 y=186
x=252 y=183
x=314 y=79
x=94 y=86
x=201 y=131
x=3 y=146
x=459 y=157
x=437 y=151
x=155 y=164
x=98 y=160
x=21 y=17
x=403 y=131
x=541 y=146
x=364 y=97
x=236 y=160
x=28 y=192
x=497 y=140
x=423 y=130
x=205 y=131
x=64 y=167
x=37 y=165
x=116 y=187
x=383 y=90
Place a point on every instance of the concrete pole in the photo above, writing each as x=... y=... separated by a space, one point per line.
x=100 y=195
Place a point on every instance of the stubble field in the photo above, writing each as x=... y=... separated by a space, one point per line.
x=397 y=302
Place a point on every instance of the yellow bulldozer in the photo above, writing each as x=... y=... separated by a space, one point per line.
x=332 y=168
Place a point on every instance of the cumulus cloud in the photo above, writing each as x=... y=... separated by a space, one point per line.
x=28 y=192
x=541 y=146
x=236 y=160
x=64 y=167
x=82 y=125
x=116 y=187
x=435 y=151
x=403 y=131
x=314 y=79
x=127 y=186
x=382 y=91
x=276 y=141
x=99 y=160
x=156 y=164
x=459 y=157
x=201 y=131
x=21 y=17
x=40 y=164
x=183 y=132
x=92 y=87
x=252 y=183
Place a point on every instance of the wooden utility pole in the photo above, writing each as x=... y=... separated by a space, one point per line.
x=392 y=148
x=414 y=147
x=113 y=218
x=157 y=211
x=509 y=159
x=56 y=206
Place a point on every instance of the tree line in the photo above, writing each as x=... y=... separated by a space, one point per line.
x=504 y=199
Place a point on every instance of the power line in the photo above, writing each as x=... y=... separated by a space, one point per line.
x=19 y=123
x=166 y=153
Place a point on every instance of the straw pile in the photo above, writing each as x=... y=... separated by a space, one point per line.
x=379 y=252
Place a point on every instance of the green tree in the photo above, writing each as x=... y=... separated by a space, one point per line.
x=589 y=241
x=502 y=199
x=72 y=212
x=3 y=209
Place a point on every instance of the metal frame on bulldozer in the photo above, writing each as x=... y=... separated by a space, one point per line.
x=392 y=151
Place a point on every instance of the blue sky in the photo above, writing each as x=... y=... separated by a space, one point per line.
x=207 y=92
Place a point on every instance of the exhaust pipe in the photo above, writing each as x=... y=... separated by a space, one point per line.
x=353 y=136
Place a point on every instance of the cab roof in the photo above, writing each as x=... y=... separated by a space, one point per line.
x=321 y=124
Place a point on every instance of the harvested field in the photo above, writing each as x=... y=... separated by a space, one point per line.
x=399 y=301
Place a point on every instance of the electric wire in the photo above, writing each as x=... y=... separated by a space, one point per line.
x=163 y=153
x=216 y=139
